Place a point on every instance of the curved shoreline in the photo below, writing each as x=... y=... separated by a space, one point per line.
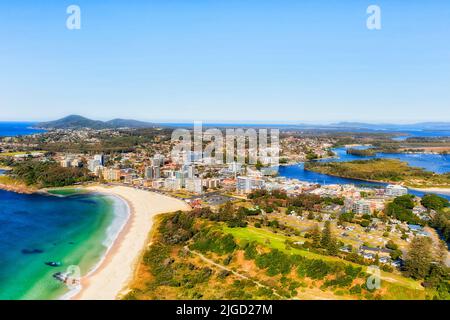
x=110 y=278
x=109 y=245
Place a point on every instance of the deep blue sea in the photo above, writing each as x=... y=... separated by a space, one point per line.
x=12 y=129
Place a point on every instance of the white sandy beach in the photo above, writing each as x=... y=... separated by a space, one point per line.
x=117 y=269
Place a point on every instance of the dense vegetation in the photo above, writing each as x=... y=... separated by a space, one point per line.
x=48 y=174
x=270 y=201
x=424 y=263
x=172 y=269
x=434 y=202
x=441 y=222
x=401 y=209
x=179 y=273
x=441 y=218
x=361 y=152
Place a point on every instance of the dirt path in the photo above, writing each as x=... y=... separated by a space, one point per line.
x=209 y=261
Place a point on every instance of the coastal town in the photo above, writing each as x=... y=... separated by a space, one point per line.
x=225 y=159
x=372 y=225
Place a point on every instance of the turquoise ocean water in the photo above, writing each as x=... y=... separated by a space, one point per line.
x=74 y=229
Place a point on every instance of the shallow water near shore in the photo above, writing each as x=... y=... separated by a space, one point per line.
x=74 y=228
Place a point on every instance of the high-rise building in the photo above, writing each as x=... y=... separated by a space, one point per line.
x=94 y=166
x=100 y=158
x=190 y=172
x=173 y=184
x=158 y=160
x=153 y=172
x=194 y=185
x=111 y=174
x=149 y=172
x=211 y=183
x=65 y=163
x=248 y=184
x=362 y=207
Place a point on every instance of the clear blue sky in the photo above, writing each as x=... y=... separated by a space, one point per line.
x=258 y=60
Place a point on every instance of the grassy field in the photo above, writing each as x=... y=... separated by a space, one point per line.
x=173 y=271
x=277 y=241
x=274 y=241
x=12 y=154
x=355 y=237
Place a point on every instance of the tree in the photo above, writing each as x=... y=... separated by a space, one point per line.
x=315 y=236
x=326 y=235
x=419 y=257
x=396 y=254
x=391 y=245
x=346 y=217
x=332 y=247
x=441 y=222
x=442 y=253
x=405 y=201
x=259 y=165
x=377 y=260
x=434 y=202
x=311 y=156
x=327 y=241
x=364 y=223
x=401 y=213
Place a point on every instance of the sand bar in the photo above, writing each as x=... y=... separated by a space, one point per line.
x=445 y=191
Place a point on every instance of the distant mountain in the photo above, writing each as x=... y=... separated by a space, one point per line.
x=77 y=122
x=385 y=126
x=128 y=123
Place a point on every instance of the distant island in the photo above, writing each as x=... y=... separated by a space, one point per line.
x=361 y=152
x=78 y=122
x=435 y=126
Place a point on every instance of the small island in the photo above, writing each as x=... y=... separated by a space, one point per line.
x=361 y=152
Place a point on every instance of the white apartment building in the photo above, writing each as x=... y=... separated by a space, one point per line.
x=248 y=184
x=194 y=185
x=394 y=190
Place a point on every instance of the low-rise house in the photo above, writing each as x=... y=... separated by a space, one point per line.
x=364 y=250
